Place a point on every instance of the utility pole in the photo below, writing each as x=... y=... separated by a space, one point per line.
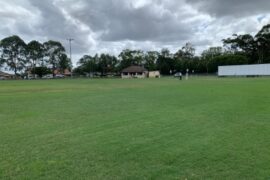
x=70 y=50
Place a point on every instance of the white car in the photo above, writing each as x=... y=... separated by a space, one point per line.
x=59 y=76
x=31 y=77
x=47 y=76
x=178 y=74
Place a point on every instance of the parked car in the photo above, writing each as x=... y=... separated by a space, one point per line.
x=47 y=76
x=2 y=78
x=31 y=77
x=59 y=76
x=178 y=74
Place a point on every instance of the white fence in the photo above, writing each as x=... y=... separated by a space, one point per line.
x=245 y=70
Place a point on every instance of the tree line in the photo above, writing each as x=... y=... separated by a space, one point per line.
x=38 y=58
x=48 y=56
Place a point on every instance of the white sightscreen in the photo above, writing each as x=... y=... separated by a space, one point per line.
x=245 y=70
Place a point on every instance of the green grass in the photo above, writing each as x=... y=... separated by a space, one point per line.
x=204 y=128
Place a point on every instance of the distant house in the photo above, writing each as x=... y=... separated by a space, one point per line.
x=4 y=75
x=66 y=72
x=134 y=72
x=154 y=74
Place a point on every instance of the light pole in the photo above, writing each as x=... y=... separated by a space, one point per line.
x=187 y=74
x=260 y=52
x=70 y=51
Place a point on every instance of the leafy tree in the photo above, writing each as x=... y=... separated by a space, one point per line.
x=180 y=54
x=35 y=53
x=78 y=71
x=54 y=52
x=138 y=57
x=209 y=54
x=150 y=60
x=40 y=71
x=106 y=63
x=184 y=58
x=263 y=43
x=244 y=45
x=131 y=57
x=188 y=50
x=165 y=53
x=165 y=62
x=87 y=64
x=212 y=52
x=13 y=53
x=64 y=63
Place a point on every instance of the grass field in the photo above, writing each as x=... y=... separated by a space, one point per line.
x=204 y=128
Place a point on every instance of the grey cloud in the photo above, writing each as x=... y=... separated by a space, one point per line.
x=54 y=25
x=118 y=20
x=235 y=8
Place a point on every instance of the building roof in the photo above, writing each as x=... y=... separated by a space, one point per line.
x=134 y=69
x=66 y=72
x=5 y=74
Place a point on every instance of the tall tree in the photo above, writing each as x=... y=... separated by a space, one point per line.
x=150 y=60
x=13 y=53
x=106 y=63
x=64 y=63
x=243 y=45
x=87 y=64
x=212 y=52
x=54 y=50
x=263 y=42
x=165 y=53
x=209 y=54
x=131 y=57
x=189 y=51
x=35 y=54
x=179 y=55
x=165 y=62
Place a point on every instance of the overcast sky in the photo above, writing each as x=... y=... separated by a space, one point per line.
x=109 y=26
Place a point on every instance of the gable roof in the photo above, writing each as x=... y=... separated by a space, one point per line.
x=134 y=69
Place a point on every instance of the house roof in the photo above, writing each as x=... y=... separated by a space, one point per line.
x=66 y=72
x=5 y=74
x=134 y=69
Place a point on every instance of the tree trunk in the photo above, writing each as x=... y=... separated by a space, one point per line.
x=53 y=72
x=15 y=71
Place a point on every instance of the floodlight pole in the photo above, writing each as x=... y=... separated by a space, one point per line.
x=70 y=50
